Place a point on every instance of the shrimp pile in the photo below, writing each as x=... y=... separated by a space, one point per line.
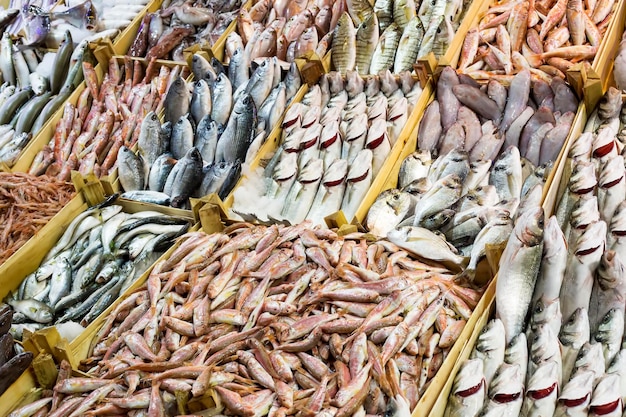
x=27 y=203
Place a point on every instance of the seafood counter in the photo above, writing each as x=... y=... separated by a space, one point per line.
x=178 y=25
x=209 y=134
x=332 y=146
x=568 y=359
x=275 y=319
x=101 y=253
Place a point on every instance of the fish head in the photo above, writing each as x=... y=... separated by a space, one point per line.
x=585 y=211
x=591 y=243
x=554 y=239
x=470 y=379
x=545 y=310
x=618 y=365
x=604 y=143
x=576 y=328
x=336 y=173
x=194 y=154
x=517 y=350
x=418 y=187
x=354 y=84
x=590 y=357
x=544 y=382
x=491 y=337
x=372 y=86
x=507 y=384
x=529 y=227
x=611 y=271
x=581 y=148
x=361 y=167
x=618 y=221
x=577 y=392
x=583 y=179
x=606 y=395
x=312 y=171
x=612 y=324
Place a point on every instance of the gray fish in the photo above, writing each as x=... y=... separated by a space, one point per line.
x=61 y=63
x=516 y=352
x=12 y=105
x=176 y=102
x=29 y=113
x=497 y=92
x=222 y=99
x=131 y=170
x=182 y=137
x=468 y=391
x=490 y=347
x=389 y=209
x=514 y=132
x=6 y=60
x=34 y=310
x=184 y=178
x=200 y=101
x=151 y=143
x=590 y=358
x=519 y=267
x=581 y=265
x=50 y=107
x=207 y=135
x=430 y=127
x=443 y=194
x=238 y=69
x=292 y=81
x=506 y=174
x=574 y=334
x=219 y=178
x=272 y=108
x=260 y=83
x=544 y=348
x=239 y=132
x=477 y=101
x=609 y=334
x=159 y=171
x=455 y=162
x=148 y=196
x=200 y=68
x=426 y=244
x=553 y=264
x=414 y=167
x=496 y=232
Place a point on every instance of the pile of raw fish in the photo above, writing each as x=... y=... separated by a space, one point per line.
x=28 y=98
x=45 y=22
x=208 y=134
x=547 y=37
x=333 y=145
x=276 y=320
x=100 y=254
x=108 y=115
x=392 y=34
x=285 y=29
x=180 y=24
x=13 y=360
x=461 y=192
x=570 y=359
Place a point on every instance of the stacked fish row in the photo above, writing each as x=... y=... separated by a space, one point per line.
x=45 y=22
x=208 y=134
x=546 y=37
x=107 y=116
x=570 y=360
x=180 y=24
x=392 y=34
x=100 y=254
x=13 y=361
x=333 y=145
x=276 y=320
x=462 y=193
x=27 y=203
x=31 y=92
x=285 y=29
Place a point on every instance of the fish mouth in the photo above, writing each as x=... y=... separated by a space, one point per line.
x=506 y=398
x=471 y=390
x=603 y=409
x=571 y=403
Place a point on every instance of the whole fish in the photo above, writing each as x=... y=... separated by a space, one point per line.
x=490 y=347
x=389 y=209
x=505 y=392
x=344 y=45
x=519 y=265
x=554 y=262
x=425 y=244
x=542 y=391
x=576 y=395
x=573 y=335
x=469 y=390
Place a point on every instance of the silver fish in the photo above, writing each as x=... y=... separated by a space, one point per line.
x=606 y=399
x=506 y=392
x=469 y=390
x=425 y=244
x=490 y=347
x=573 y=335
x=553 y=264
x=609 y=288
x=303 y=191
x=609 y=334
x=542 y=391
x=358 y=182
x=519 y=267
x=330 y=193
x=389 y=209
x=506 y=174
x=414 y=167
x=131 y=170
x=544 y=348
x=576 y=396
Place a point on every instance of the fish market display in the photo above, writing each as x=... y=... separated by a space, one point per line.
x=208 y=134
x=285 y=29
x=480 y=153
x=13 y=360
x=569 y=357
x=333 y=145
x=100 y=254
x=273 y=320
x=45 y=22
x=180 y=24
x=27 y=203
x=392 y=34
x=33 y=90
x=546 y=37
x=107 y=116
